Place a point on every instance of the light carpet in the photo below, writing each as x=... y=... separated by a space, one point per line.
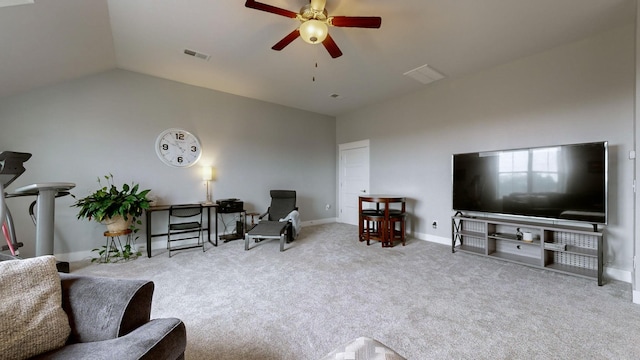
x=420 y=299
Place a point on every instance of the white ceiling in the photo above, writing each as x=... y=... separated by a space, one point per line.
x=56 y=40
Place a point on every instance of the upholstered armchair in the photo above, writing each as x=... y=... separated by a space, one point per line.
x=110 y=319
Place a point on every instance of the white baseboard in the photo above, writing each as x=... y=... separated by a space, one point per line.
x=432 y=238
x=617 y=274
x=157 y=244
x=319 y=222
x=76 y=256
x=610 y=273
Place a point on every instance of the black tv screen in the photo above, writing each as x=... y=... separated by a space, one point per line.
x=566 y=182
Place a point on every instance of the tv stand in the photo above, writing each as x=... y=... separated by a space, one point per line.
x=565 y=249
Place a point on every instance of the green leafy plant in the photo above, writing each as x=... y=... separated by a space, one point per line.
x=109 y=201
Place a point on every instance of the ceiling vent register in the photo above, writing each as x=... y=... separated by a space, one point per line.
x=424 y=74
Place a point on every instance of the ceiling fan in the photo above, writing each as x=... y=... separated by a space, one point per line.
x=315 y=22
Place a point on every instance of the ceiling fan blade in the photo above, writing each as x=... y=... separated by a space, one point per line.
x=286 y=40
x=269 y=8
x=373 y=22
x=331 y=47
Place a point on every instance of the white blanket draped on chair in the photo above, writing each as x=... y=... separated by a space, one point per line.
x=294 y=216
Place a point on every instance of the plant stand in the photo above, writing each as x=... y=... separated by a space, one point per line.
x=114 y=250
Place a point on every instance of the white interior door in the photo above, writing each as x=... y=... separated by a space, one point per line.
x=353 y=179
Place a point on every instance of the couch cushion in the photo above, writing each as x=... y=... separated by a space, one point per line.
x=363 y=348
x=31 y=317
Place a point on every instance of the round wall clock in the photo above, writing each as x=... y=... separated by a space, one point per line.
x=179 y=148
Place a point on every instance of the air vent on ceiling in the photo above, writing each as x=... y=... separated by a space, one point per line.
x=4 y=3
x=199 y=55
x=424 y=74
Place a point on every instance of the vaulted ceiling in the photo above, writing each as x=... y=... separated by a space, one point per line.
x=56 y=40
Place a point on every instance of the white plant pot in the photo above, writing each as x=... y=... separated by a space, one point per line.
x=118 y=223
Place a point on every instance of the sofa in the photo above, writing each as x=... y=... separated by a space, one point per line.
x=107 y=318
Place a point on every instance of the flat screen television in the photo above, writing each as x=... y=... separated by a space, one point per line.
x=563 y=182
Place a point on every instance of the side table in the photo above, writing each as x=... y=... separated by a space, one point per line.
x=238 y=232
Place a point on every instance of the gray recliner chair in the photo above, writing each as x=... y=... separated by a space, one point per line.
x=110 y=319
x=283 y=203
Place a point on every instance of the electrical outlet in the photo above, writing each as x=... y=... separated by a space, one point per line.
x=327 y=207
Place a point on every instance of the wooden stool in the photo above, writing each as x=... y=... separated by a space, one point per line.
x=113 y=249
x=393 y=233
x=363 y=229
x=374 y=228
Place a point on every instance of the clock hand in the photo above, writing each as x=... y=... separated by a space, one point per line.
x=169 y=140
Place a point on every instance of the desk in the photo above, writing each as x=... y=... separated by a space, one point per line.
x=156 y=208
x=378 y=199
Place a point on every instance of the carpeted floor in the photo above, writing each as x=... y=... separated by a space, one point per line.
x=421 y=300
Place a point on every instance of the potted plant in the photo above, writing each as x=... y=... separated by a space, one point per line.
x=118 y=208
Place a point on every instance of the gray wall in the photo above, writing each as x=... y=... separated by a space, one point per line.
x=580 y=92
x=108 y=123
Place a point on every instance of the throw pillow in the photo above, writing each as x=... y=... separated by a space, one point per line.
x=32 y=320
x=363 y=348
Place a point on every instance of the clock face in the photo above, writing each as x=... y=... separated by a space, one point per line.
x=177 y=147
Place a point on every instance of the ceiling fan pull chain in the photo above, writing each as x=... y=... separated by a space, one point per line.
x=316 y=68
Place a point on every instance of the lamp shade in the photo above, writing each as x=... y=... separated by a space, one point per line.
x=313 y=31
x=207 y=173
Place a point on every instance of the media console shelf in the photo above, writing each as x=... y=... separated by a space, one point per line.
x=566 y=249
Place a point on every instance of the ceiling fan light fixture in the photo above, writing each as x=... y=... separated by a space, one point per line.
x=317 y=5
x=313 y=31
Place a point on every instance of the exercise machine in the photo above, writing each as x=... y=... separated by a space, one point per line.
x=11 y=167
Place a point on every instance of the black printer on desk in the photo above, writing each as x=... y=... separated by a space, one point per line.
x=230 y=206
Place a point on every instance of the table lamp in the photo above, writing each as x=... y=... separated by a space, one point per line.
x=207 y=176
